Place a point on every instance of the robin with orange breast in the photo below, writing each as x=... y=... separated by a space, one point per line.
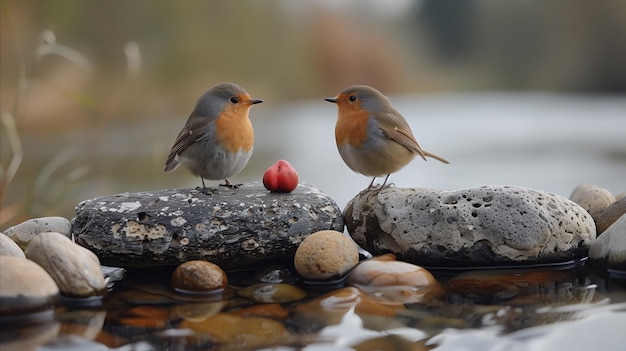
x=372 y=137
x=217 y=140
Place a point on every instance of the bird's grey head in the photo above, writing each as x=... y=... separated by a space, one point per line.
x=212 y=102
x=370 y=98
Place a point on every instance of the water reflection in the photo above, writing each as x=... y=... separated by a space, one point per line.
x=479 y=309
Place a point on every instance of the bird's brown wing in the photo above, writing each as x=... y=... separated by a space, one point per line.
x=397 y=129
x=186 y=137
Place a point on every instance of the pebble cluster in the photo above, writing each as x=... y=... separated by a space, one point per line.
x=40 y=264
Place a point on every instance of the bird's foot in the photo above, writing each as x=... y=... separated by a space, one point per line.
x=206 y=191
x=230 y=185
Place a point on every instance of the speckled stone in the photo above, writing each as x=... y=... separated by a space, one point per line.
x=75 y=269
x=24 y=232
x=25 y=287
x=611 y=214
x=233 y=228
x=609 y=249
x=592 y=198
x=486 y=226
x=326 y=254
x=8 y=247
x=199 y=276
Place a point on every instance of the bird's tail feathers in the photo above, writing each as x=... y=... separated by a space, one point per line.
x=438 y=158
x=170 y=166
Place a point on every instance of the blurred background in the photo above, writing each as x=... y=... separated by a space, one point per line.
x=93 y=93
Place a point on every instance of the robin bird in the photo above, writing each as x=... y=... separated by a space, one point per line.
x=372 y=137
x=217 y=140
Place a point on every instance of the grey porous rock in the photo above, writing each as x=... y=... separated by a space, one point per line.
x=486 y=226
x=232 y=228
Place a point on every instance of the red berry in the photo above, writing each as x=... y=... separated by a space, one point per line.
x=280 y=177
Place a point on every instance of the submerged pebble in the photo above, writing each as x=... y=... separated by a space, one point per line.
x=386 y=271
x=394 y=280
x=331 y=307
x=272 y=293
x=199 y=276
x=197 y=312
x=326 y=254
x=236 y=332
x=75 y=269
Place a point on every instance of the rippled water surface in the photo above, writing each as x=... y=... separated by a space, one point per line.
x=531 y=309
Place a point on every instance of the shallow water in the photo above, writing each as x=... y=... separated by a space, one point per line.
x=519 y=309
x=546 y=142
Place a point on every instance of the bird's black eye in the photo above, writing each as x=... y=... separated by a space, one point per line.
x=234 y=99
x=352 y=98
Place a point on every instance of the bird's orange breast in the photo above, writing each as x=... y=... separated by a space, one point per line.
x=351 y=126
x=233 y=129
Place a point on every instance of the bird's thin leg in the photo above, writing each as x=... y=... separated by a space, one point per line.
x=385 y=182
x=204 y=189
x=371 y=183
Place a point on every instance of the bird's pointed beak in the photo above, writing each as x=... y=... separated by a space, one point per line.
x=255 y=101
x=333 y=100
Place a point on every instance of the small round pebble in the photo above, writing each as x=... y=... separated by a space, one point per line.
x=8 y=247
x=25 y=287
x=75 y=269
x=199 y=276
x=592 y=198
x=326 y=254
x=386 y=271
x=24 y=232
x=610 y=215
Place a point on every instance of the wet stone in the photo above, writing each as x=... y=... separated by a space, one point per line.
x=197 y=312
x=486 y=226
x=233 y=228
x=8 y=247
x=609 y=249
x=386 y=271
x=272 y=293
x=199 y=276
x=326 y=254
x=24 y=232
x=75 y=269
x=236 y=332
x=395 y=280
x=518 y=288
x=329 y=308
x=25 y=287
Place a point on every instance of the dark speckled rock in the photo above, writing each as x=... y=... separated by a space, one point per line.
x=233 y=228
x=486 y=226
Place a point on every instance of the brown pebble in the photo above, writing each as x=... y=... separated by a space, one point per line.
x=611 y=214
x=199 y=276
